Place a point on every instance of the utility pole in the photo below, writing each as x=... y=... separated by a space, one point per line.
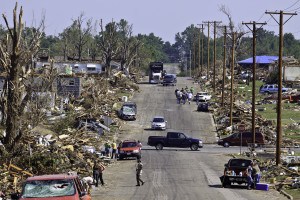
x=232 y=76
x=190 y=63
x=207 y=73
x=194 y=53
x=279 y=131
x=224 y=64
x=214 y=70
x=215 y=54
x=253 y=30
x=201 y=32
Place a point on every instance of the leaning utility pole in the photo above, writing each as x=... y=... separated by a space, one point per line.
x=279 y=131
x=253 y=30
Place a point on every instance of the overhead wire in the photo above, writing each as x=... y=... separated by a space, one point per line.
x=292 y=5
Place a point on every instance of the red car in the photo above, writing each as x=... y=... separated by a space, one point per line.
x=53 y=187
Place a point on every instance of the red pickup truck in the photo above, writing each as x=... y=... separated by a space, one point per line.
x=52 y=187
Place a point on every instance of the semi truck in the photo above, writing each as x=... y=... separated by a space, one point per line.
x=155 y=72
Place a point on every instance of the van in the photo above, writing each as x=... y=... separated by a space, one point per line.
x=244 y=138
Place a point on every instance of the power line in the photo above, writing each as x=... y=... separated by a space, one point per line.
x=292 y=5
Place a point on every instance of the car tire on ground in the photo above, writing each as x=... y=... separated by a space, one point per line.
x=194 y=147
x=226 y=144
x=121 y=157
x=159 y=146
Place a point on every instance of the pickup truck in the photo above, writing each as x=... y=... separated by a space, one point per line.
x=175 y=139
x=235 y=172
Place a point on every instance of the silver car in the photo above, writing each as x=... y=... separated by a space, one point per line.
x=159 y=122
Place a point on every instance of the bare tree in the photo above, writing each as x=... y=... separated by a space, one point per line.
x=128 y=45
x=108 y=43
x=16 y=56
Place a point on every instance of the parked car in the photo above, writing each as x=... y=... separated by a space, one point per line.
x=169 y=79
x=246 y=75
x=271 y=88
x=202 y=96
x=129 y=149
x=175 y=139
x=235 y=171
x=52 y=187
x=159 y=122
x=202 y=106
x=244 y=138
x=128 y=111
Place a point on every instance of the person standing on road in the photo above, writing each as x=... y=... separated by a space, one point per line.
x=107 y=148
x=139 y=169
x=249 y=172
x=114 y=150
x=98 y=169
x=255 y=173
x=190 y=96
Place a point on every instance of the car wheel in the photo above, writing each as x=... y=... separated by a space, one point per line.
x=226 y=144
x=159 y=146
x=121 y=158
x=194 y=147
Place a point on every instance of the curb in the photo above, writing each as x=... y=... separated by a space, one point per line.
x=286 y=194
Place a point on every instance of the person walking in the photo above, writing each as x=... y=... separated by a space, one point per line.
x=102 y=168
x=184 y=97
x=139 y=169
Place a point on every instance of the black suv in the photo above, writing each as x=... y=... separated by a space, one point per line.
x=169 y=79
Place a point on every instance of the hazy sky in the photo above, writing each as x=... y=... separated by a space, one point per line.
x=164 y=18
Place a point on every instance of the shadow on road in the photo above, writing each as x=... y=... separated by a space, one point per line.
x=185 y=150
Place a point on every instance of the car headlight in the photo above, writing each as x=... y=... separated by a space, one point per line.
x=121 y=151
x=135 y=151
x=200 y=142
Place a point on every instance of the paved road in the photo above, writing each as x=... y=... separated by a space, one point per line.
x=173 y=174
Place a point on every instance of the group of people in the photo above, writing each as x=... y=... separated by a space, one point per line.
x=184 y=95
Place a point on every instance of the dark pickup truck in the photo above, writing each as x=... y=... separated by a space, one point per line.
x=235 y=172
x=175 y=139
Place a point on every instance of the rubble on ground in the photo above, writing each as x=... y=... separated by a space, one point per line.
x=58 y=145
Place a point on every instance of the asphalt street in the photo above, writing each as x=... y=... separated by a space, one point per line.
x=172 y=173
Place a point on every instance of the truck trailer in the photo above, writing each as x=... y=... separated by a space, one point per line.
x=155 y=72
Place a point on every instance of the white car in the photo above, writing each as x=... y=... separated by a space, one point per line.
x=159 y=122
x=203 y=96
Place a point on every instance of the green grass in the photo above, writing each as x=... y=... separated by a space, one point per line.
x=295 y=193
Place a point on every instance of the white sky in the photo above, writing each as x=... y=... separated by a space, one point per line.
x=164 y=18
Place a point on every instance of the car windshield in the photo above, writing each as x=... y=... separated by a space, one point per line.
x=168 y=76
x=48 y=188
x=127 y=109
x=129 y=144
x=240 y=163
x=158 y=120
